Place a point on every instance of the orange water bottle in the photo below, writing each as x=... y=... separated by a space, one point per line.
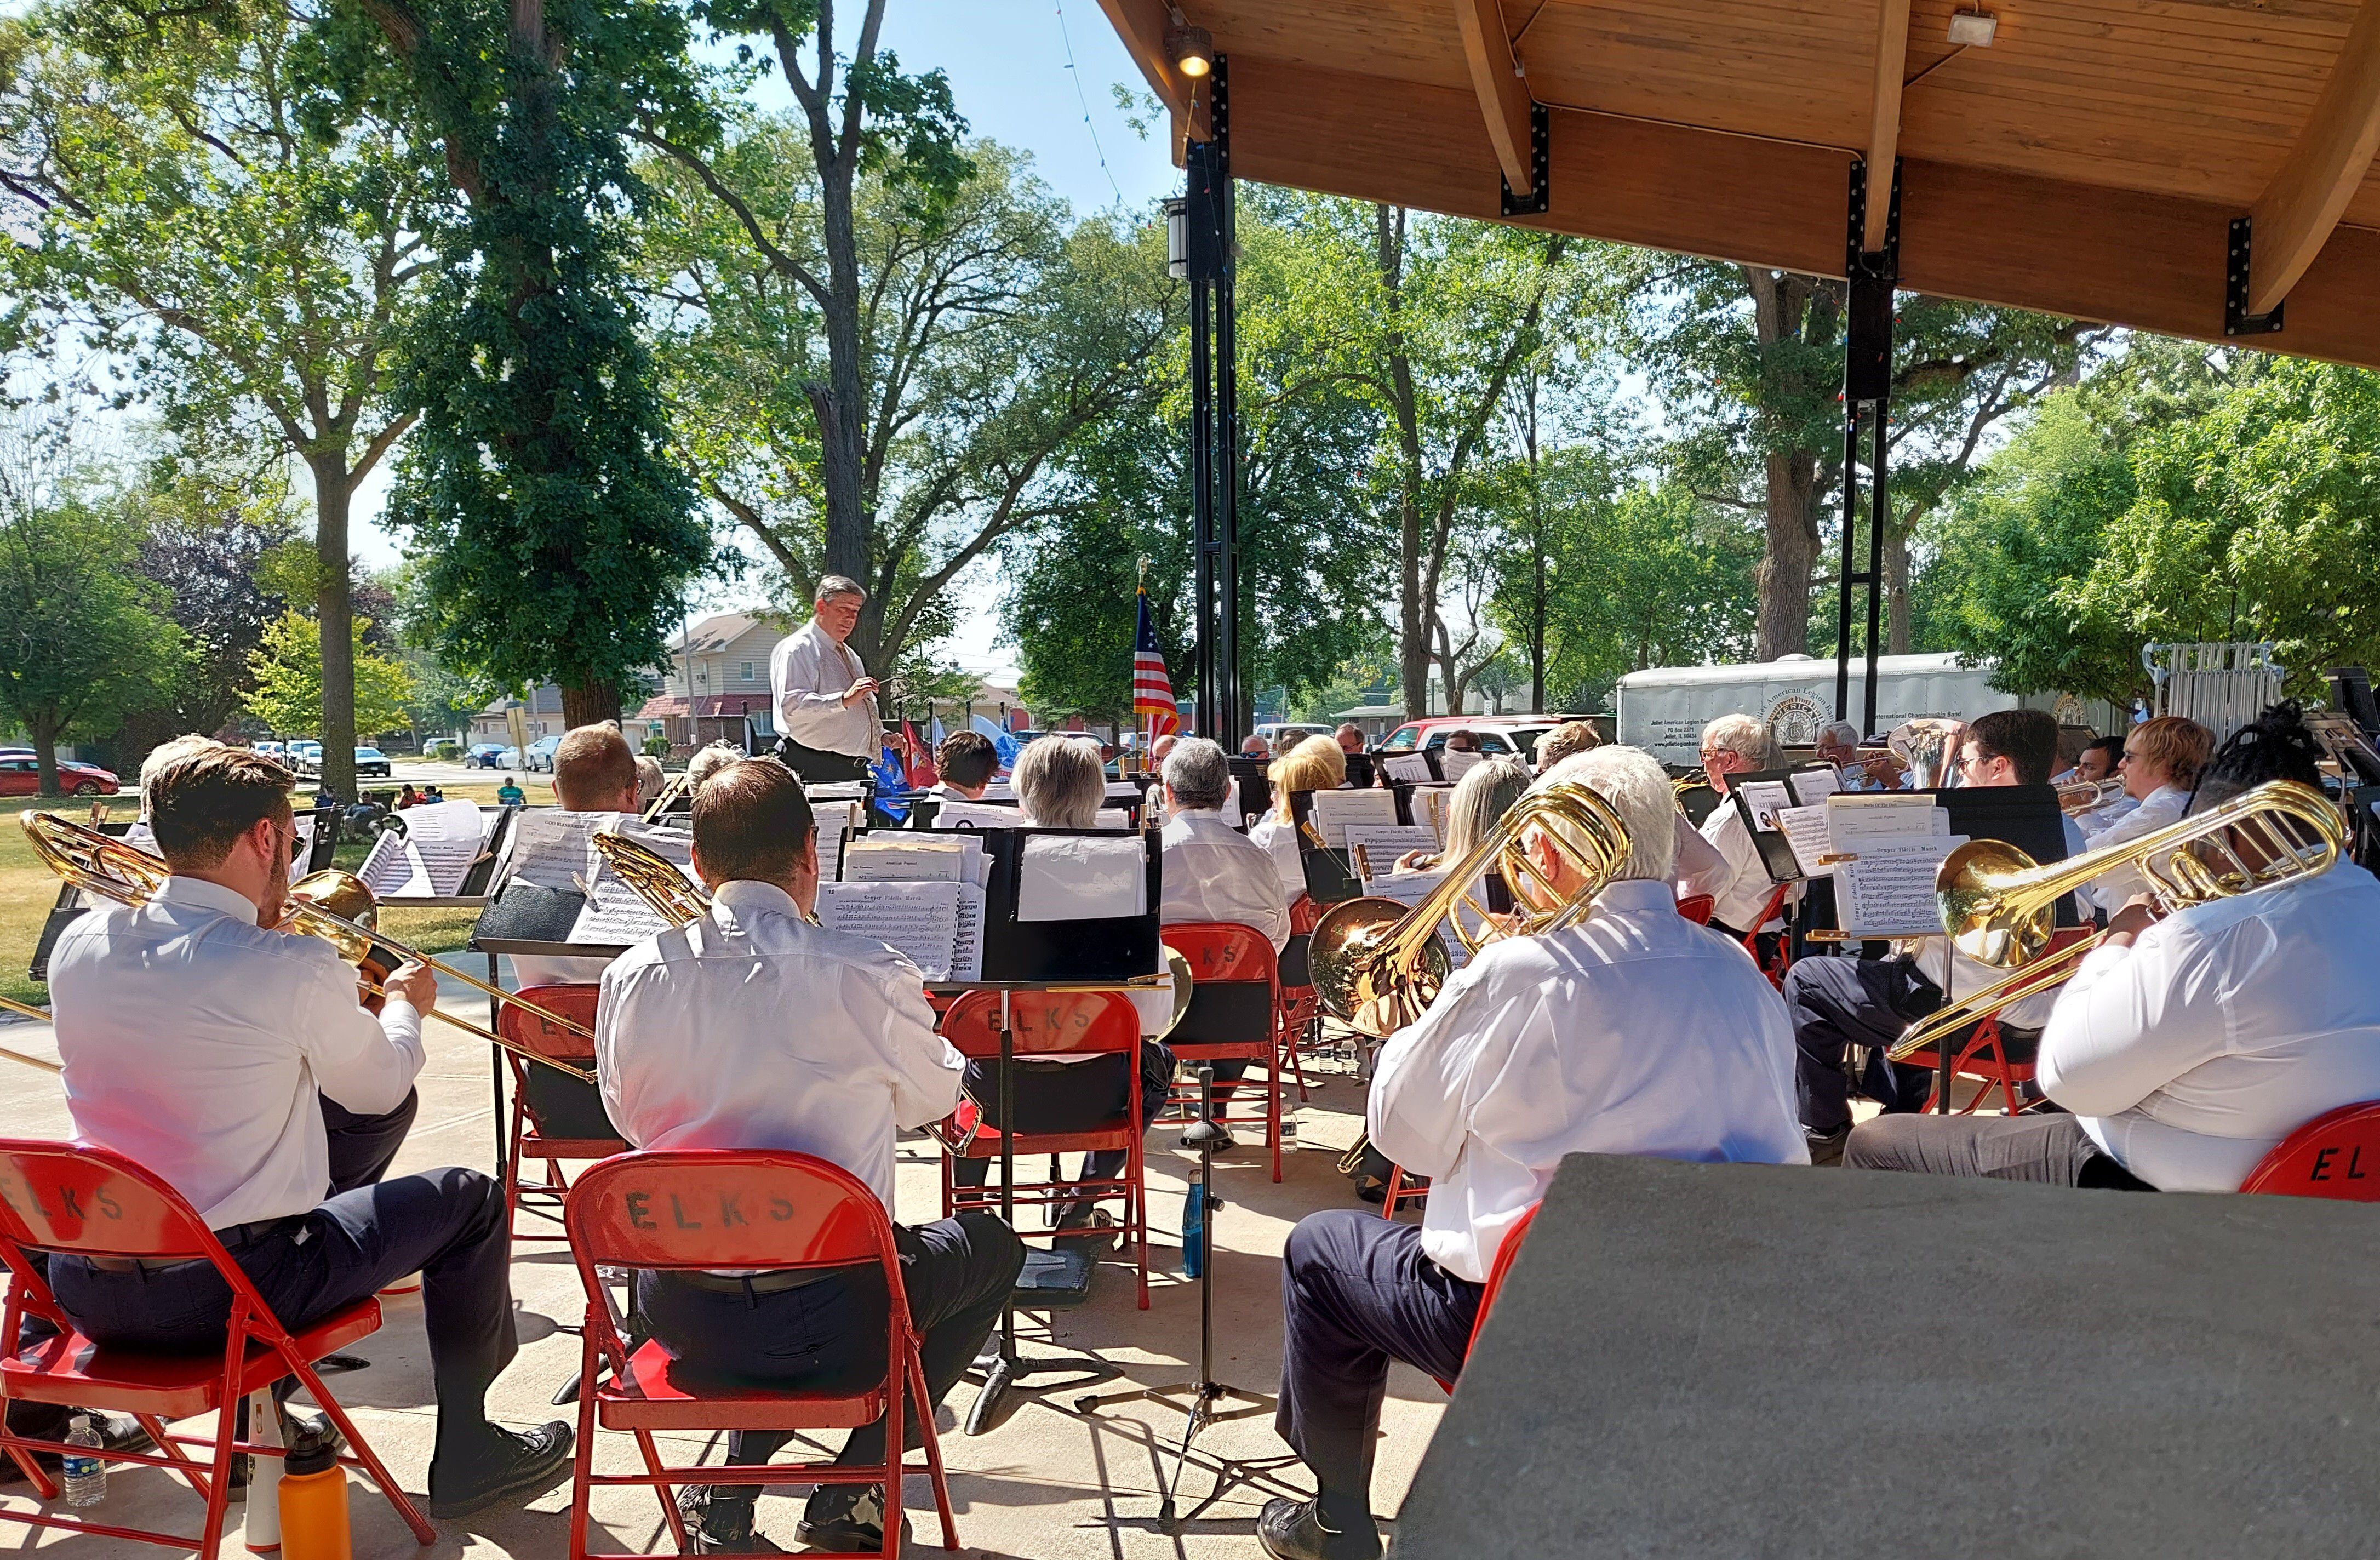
x=314 y=1501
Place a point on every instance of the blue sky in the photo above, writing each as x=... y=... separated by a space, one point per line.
x=1007 y=64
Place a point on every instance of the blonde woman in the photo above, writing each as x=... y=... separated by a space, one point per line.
x=1314 y=764
x=1480 y=799
x=1060 y=784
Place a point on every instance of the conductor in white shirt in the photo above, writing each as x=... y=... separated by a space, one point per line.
x=753 y=1029
x=2186 y=1047
x=824 y=699
x=1632 y=1031
x=200 y=1044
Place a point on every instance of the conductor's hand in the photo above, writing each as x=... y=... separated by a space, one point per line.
x=861 y=689
x=414 y=982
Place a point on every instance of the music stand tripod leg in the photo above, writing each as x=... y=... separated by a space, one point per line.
x=1200 y=1399
x=1008 y=1370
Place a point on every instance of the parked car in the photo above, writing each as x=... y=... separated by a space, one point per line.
x=1278 y=735
x=483 y=755
x=1500 y=736
x=540 y=756
x=21 y=775
x=371 y=760
x=270 y=750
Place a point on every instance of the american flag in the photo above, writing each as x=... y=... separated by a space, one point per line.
x=1152 y=691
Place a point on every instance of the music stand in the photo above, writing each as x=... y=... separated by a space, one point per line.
x=1360 y=773
x=1255 y=786
x=2025 y=816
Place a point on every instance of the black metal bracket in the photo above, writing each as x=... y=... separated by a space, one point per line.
x=1540 y=163
x=1873 y=274
x=2237 y=320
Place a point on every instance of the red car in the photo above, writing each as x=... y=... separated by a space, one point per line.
x=21 y=775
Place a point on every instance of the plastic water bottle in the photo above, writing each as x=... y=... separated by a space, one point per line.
x=85 y=1473
x=1194 y=1230
x=314 y=1501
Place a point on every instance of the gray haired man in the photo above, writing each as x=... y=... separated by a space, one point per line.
x=824 y=699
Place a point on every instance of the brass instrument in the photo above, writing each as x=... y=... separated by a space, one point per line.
x=11 y=1005
x=668 y=794
x=1997 y=905
x=2081 y=795
x=1377 y=966
x=1693 y=779
x=334 y=906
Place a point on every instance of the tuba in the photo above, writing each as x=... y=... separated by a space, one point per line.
x=1998 y=906
x=1378 y=966
x=334 y=906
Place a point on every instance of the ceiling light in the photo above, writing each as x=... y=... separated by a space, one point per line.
x=1973 y=28
x=1191 y=50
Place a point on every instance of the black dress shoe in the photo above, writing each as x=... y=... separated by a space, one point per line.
x=117 y=1433
x=847 y=1519
x=526 y=1466
x=719 y=1521
x=1293 y=1530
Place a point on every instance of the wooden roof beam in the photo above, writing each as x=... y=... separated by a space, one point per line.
x=1884 y=118
x=2293 y=218
x=1142 y=25
x=1496 y=77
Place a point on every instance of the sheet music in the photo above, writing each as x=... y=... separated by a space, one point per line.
x=140 y=837
x=910 y=856
x=615 y=914
x=1455 y=765
x=1429 y=805
x=836 y=790
x=1111 y=818
x=550 y=849
x=1407 y=768
x=918 y=919
x=394 y=870
x=1812 y=786
x=1122 y=790
x=1888 y=892
x=1854 y=818
x=966 y=958
x=1077 y=877
x=1335 y=811
x=1385 y=843
x=976 y=815
x=1764 y=797
x=835 y=819
x=447 y=838
x=1805 y=830
x=1409 y=889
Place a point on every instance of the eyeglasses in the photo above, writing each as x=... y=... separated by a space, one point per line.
x=2125 y=756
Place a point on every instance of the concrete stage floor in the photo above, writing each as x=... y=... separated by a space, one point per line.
x=1048 y=1484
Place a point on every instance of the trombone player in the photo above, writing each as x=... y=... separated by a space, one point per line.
x=2187 y=1046
x=201 y=1043
x=1631 y=1030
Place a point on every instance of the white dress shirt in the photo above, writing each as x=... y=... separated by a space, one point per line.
x=2222 y=1030
x=751 y=1028
x=1278 y=840
x=1743 y=892
x=1214 y=873
x=2093 y=820
x=808 y=673
x=1698 y=868
x=2164 y=805
x=200 y=1044
x=1632 y=1031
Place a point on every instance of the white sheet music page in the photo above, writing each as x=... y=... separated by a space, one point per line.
x=906 y=856
x=1764 y=797
x=919 y=919
x=978 y=815
x=1855 y=817
x=1455 y=765
x=393 y=869
x=1805 y=830
x=1384 y=843
x=1081 y=877
x=1813 y=785
x=548 y=846
x=1335 y=811
x=835 y=820
x=447 y=837
x=1411 y=769
x=616 y=914
x=966 y=959
x=1888 y=892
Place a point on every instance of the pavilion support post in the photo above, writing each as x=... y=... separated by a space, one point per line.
x=1210 y=243
x=1867 y=393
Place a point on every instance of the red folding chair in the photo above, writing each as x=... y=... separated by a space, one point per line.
x=766 y=1209
x=1224 y=955
x=1400 y=1191
x=1697 y=907
x=1048 y=1024
x=529 y=1138
x=1985 y=1052
x=2325 y=1158
x=1300 y=1006
x=69 y=1198
x=1497 y=1271
x=1776 y=967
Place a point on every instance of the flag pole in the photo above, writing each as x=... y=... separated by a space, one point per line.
x=1148 y=721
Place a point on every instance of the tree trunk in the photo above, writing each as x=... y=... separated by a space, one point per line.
x=45 y=755
x=836 y=404
x=1898 y=633
x=334 y=495
x=1790 y=555
x=584 y=703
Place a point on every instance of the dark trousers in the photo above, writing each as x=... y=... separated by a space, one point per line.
x=1356 y=1292
x=1837 y=1003
x=447 y=1224
x=564 y=1106
x=2052 y=1149
x=829 y=1335
x=1068 y=1097
x=817 y=766
x=363 y=1147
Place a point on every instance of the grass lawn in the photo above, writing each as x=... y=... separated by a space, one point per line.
x=27 y=889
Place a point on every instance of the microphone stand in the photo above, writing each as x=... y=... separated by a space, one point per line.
x=1200 y=1399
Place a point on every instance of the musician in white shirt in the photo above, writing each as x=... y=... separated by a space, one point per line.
x=1733 y=745
x=964 y=766
x=200 y=1042
x=1314 y=764
x=1839 y=1001
x=1632 y=1031
x=824 y=699
x=752 y=1027
x=2160 y=763
x=2186 y=1047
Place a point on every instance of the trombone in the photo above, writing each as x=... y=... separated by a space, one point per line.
x=10 y=1005
x=1998 y=906
x=1378 y=966
x=2081 y=795
x=334 y=906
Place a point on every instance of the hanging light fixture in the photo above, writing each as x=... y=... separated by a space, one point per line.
x=1192 y=49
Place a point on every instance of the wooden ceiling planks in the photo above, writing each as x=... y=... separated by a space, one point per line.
x=2087 y=163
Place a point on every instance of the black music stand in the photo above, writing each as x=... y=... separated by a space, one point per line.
x=1033 y=956
x=2025 y=816
x=1255 y=786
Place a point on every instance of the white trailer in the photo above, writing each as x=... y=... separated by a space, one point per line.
x=1664 y=709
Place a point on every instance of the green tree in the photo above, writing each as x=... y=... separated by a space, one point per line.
x=172 y=207
x=286 y=669
x=84 y=638
x=556 y=533
x=994 y=333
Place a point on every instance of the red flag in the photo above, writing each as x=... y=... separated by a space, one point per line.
x=921 y=761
